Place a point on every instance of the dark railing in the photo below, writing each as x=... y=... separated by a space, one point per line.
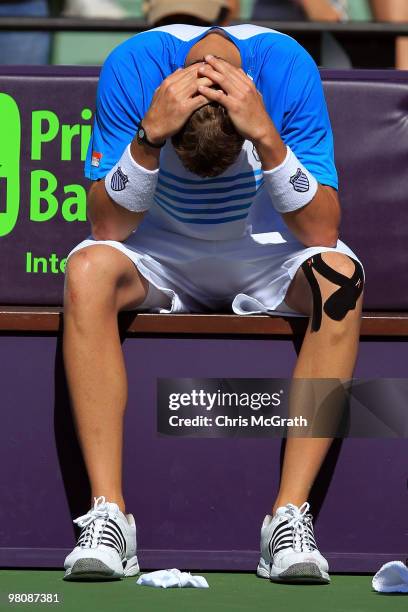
x=367 y=44
x=68 y=24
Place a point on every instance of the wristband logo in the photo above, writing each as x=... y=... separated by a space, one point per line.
x=66 y=142
x=300 y=181
x=119 y=180
x=10 y=139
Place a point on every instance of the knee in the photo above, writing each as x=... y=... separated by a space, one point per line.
x=344 y=265
x=339 y=262
x=343 y=301
x=337 y=282
x=88 y=276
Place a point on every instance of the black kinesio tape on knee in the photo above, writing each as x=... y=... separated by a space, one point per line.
x=317 y=296
x=341 y=301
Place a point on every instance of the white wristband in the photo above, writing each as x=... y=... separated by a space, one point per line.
x=131 y=185
x=290 y=185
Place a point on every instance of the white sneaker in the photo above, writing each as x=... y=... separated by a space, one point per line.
x=288 y=548
x=106 y=547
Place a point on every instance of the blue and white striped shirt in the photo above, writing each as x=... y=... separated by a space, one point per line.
x=212 y=208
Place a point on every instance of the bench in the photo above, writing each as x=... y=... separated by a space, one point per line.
x=50 y=319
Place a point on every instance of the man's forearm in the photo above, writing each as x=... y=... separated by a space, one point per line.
x=315 y=224
x=109 y=220
x=310 y=211
x=114 y=213
x=145 y=156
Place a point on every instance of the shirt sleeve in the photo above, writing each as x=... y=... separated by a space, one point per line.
x=123 y=96
x=306 y=125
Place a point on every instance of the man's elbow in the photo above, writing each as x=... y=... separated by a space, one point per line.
x=326 y=238
x=104 y=231
x=99 y=231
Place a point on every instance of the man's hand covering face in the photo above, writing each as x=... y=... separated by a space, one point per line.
x=173 y=103
x=238 y=95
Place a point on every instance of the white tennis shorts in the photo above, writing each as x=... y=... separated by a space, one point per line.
x=248 y=275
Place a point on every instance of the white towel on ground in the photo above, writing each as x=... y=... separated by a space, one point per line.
x=172 y=578
x=391 y=578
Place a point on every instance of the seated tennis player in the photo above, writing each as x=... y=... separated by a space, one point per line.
x=214 y=189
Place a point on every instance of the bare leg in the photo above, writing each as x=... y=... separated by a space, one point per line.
x=402 y=53
x=100 y=281
x=329 y=353
x=394 y=11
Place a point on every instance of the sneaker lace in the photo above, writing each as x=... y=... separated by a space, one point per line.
x=94 y=523
x=299 y=521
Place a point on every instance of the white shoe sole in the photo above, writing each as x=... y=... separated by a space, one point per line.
x=132 y=567
x=263 y=570
x=95 y=569
x=301 y=573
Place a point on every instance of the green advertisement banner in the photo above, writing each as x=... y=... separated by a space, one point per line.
x=45 y=128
